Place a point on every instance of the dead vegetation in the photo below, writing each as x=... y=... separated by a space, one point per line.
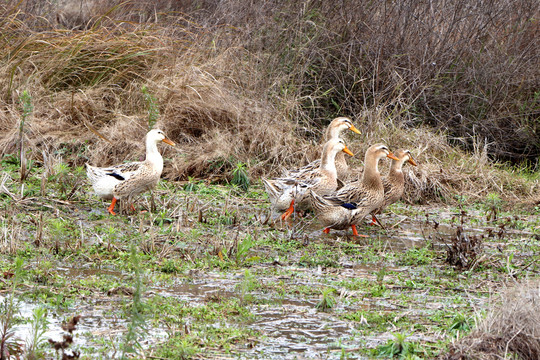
x=464 y=249
x=511 y=329
x=257 y=84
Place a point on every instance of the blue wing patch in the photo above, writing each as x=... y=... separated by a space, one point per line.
x=350 y=206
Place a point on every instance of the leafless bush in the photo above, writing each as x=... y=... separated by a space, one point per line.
x=511 y=328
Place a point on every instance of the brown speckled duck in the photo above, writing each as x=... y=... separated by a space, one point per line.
x=334 y=131
x=289 y=192
x=394 y=182
x=350 y=204
x=124 y=181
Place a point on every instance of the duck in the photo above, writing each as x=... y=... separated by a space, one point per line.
x=350 y=204
x=124 y=181
x=290 y=192
x=333 y=131
x=394 y=182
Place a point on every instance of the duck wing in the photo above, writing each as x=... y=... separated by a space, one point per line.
x=351 y=196
x=123 y=172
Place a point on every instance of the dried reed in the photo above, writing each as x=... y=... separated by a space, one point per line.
x=257 y=84
x=511 y=328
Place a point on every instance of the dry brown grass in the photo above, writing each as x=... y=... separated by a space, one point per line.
x=227 y=94
x=510 y=330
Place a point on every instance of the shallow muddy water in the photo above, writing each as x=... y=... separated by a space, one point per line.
x=290 y=327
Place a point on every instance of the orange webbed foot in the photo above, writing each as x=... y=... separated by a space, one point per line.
x=355 y=232
x=110 y=209
x=289 y=211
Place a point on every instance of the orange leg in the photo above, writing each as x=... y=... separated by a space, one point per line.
x=355 y=232
x=373 y=220
x=111 y=207
x=289 y=211
x=326 y=231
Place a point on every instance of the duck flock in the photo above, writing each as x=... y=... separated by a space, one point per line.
x=323 y=186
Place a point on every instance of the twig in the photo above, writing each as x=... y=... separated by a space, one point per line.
x=399 y=222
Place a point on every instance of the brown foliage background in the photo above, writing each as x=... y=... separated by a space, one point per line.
x=257 y=82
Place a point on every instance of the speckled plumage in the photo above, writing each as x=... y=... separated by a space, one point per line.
x=283 y=191
x=347 y=206
x=394 y=182
x=124 y=181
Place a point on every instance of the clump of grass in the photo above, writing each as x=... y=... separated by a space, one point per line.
x=398 y=347
x=240 y=177
x=511 y=328
x=137 y=322
x=27 y=108
x=327 y=301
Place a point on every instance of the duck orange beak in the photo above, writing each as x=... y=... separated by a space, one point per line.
x=411 y=161
x=347 y=151
x=167 y=141
x=354 y=129
x=392 y=156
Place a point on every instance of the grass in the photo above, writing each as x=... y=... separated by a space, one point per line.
x=266 y=270
x=206 y=273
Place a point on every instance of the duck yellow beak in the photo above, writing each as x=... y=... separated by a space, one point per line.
x=392 y=156
x=411 y=161
x=347 y=151
x=354 y=129
x=167 y=141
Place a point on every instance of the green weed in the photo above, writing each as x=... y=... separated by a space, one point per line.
x=240 y=177
x=460 y=323
x=39 y=327
x=328 y=301
x=398 y=347
x=137 y=328
x=152 y=106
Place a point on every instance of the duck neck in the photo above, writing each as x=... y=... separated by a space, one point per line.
x=396 y=171
x=340 y=159
x=396 y=167
x=332 y=132
x=372 y=176
x=328 y=162
x=153 y=156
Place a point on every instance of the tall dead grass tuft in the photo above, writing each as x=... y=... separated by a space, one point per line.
x=511 y=328
x=250 y=83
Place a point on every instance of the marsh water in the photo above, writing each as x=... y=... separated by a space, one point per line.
x=291 y=327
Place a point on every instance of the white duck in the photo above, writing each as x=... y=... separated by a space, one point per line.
x=284 y=193
x=124 y=181
x=334 y=131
